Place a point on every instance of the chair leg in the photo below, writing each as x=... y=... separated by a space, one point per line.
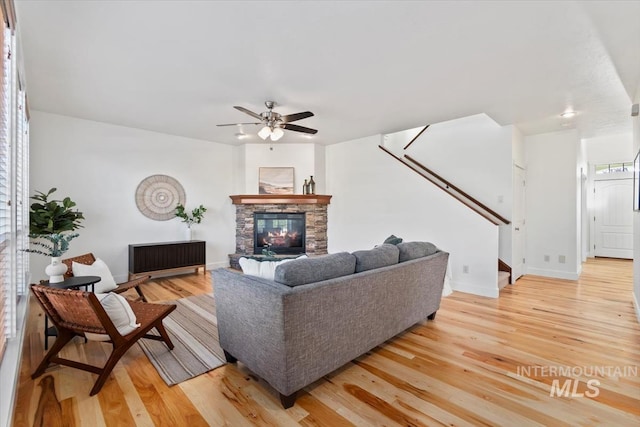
x=64 y=336
x=139 y=291
x=115 y=356
x=163 y=333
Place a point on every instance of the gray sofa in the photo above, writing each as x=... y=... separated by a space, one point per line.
x=320 y=313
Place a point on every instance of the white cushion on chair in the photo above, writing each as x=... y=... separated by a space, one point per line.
x=98 y=268
x=120 y=313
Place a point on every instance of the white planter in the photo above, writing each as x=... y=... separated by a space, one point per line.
x=188 y=235
x=56 y=270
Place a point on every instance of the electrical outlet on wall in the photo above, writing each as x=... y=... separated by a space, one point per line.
x=562 y=259
x=465 y=269
x=546 y=258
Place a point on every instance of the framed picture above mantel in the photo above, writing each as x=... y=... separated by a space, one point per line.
x=275 y=180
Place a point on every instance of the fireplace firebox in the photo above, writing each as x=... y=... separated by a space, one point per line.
x=282 y=233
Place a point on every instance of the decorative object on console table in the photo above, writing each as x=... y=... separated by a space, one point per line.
x=156 y=258
x=157 y=195
x=275 y=181
x=48 y=220
x=194 y=218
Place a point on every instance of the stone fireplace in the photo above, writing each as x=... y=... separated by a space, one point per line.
x=313 y=206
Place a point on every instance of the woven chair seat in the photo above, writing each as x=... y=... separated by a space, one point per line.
x=75 y=313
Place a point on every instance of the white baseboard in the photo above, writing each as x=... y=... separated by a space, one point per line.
x=220 y=264
x=556 y=274
x=482 y=291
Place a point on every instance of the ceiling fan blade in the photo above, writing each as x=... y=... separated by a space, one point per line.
x=237 y=124
x=297 y=128
x=298 y=116
x=249 y=112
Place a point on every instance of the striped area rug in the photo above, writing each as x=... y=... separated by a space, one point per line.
x=193 y=329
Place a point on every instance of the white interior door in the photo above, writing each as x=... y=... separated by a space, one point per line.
x=614 y=218
x=518 y=224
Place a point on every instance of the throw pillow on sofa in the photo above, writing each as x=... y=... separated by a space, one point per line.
x=380 y=256
x=413 y=250
x=311 y=270
x=393 y=240
x=264 y=269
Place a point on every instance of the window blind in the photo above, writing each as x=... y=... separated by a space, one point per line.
x=5 y=216
x=14 y=173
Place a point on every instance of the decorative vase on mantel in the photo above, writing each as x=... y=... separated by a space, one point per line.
x=56 y=270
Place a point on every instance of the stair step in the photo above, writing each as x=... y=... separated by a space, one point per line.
x=503 y=279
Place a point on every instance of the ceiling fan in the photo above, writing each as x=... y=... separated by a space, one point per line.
x=274 y=123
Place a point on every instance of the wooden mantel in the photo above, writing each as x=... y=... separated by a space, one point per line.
x=284 y=199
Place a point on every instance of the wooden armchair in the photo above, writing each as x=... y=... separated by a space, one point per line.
x=89 y=259
x=78 y=312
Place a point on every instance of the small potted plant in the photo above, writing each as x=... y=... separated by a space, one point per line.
x=49 y=220
x=194 y=218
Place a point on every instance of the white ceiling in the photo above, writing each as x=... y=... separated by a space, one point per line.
x=363 y=67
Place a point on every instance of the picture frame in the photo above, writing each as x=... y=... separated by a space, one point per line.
x=275 y=180
x=636 y=182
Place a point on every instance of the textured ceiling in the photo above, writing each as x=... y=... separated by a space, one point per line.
x=362 y=67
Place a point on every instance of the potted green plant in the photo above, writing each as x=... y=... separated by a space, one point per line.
x=49 y=220
x=195 y=217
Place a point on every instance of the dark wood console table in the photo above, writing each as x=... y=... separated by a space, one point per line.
x=157 y=258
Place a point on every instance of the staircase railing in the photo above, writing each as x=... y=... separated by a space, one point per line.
x=448 y=187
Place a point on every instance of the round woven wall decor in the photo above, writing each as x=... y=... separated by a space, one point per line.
x=158 y=195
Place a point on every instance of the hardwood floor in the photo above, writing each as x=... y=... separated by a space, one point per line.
x=482 y=362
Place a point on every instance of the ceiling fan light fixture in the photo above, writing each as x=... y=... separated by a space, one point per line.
x=276 y=134
x=264 y=132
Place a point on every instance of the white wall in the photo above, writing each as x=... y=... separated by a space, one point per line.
x=636 y=222
x=610 y=149
x=475 y=154
x=299 y=156
x=552 y=204
x=375 y=196
x=100 y=166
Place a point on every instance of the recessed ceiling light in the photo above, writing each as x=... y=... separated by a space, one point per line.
x=567 y=114
x=241 y=135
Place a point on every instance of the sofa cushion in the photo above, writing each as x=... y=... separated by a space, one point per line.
x=311 y=270
x=393 y=240
x=380 y=256
x=413 y=250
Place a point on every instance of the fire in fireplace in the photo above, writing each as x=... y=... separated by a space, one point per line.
x=282 y=233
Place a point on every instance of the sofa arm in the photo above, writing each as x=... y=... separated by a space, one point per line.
x=249 y=311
